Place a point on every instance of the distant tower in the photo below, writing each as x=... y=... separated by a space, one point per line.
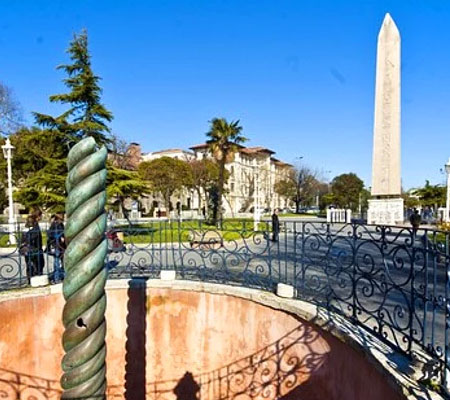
x=386 y=205
x=134 y=155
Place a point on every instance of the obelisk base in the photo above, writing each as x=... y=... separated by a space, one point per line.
x=385 y=211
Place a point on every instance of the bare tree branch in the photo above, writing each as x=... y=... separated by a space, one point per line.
x=10 y=111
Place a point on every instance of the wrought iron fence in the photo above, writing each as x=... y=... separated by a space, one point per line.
x=392 y=280
x=30 y=252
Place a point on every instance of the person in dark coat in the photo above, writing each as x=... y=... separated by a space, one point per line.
x=275 y=225
x=415 y=220
x=56 y=246
x=31 y=247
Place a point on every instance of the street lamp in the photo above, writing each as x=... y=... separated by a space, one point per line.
x=255 y=197
x=7 y=153
x=447 y=205
x=298 y=184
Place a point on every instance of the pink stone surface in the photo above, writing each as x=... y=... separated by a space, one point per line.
x=174 y=344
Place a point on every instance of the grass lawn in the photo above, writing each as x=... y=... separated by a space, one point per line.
x=290 y=215
x=176 y=231
x=441 y=238
x=4 y=239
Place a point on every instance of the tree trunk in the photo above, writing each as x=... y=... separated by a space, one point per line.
x=167 y=204
x=297 y=202
x=218 y=212
x=231 y=208
x=206 y=202
x=199 y=194
x=123 y=209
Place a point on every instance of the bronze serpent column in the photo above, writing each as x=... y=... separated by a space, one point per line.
x=84 y=284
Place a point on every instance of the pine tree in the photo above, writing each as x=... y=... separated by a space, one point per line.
x=87 y=116
x=41 y=153
x=39 y=168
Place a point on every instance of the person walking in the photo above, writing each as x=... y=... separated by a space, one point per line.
x=31 y=247
x=275 y=225
x=415 y=220
x=56 y=245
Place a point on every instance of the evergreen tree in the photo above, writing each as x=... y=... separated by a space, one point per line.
x=123 y=184
x=39 y=168
x=166 y=176
x=346 y=189
x=87 y=116
x=41 y=154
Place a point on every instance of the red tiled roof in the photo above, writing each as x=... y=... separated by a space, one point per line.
x=256 y=149
x=280 y=163
x=199 y=146
x=167 y=151
x=245 y=150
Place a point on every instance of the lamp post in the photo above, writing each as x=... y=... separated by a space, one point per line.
x=255 y=197
x=447 y=205
x=298 y=183
x=7 y=152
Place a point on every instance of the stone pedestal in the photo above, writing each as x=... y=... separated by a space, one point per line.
x=168 y=275
x=385 y=211
x=39 y=280
x=286 y=291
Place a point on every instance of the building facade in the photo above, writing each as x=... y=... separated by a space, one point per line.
x=253 y=173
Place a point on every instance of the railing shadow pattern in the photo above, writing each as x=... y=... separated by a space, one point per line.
x=271 y=372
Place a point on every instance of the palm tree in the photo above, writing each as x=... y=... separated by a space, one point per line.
x=224 y=140
x=431 y=195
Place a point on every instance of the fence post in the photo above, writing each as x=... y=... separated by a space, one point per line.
x=348 y=215
x=84 y=285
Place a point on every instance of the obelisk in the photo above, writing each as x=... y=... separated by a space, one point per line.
x=386 y=205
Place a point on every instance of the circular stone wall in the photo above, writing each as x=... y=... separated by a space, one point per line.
x=179 y=344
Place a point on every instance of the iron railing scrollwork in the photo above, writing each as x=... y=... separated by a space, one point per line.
x=389 y=279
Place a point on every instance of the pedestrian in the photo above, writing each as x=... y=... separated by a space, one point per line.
x=415 y=220
x=37 y=215
x=275 y=225
x=56 y=245
x=31 y=247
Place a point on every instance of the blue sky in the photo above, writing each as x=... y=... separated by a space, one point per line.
x=299 y=75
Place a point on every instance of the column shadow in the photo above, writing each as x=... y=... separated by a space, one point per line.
x=135 y=356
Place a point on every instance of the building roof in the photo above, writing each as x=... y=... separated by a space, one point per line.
x=256 y=149
x=242 y=149
x=280 y=163
x=199 y=146
x=169 y=151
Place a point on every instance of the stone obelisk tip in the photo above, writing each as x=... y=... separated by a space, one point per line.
x=388 y=25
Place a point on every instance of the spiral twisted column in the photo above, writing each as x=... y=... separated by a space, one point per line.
x=84 y=284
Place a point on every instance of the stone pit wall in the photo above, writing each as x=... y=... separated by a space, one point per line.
x=189 y=341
